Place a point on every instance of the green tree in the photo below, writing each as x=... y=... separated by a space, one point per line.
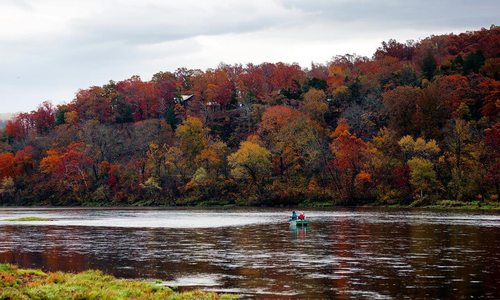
x=423 y=176
x=429 y=66
x=473 y=62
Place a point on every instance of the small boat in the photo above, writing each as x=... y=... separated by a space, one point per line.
x=299 y=222
x=302 y=222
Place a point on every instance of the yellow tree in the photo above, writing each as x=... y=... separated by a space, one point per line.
x=423 y=176
x=213 y=159
x=192 y=137
x=293 y=138
x=421 y=154
x=419 y=147
x=156 y=157
x=251 y=162
x=461 y=157
x=315 y=104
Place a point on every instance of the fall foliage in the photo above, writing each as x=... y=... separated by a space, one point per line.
x=415 y=123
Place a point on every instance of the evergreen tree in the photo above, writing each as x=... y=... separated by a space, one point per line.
x=429 y=66
x=473 y=62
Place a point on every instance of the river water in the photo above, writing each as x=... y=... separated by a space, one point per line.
x=343 y=254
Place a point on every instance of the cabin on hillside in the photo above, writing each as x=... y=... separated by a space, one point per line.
x=191 y=104
x=212 y=113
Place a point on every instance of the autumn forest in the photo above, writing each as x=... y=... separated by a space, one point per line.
x=414 y=124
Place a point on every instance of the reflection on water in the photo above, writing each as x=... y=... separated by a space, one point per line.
x=342 y=254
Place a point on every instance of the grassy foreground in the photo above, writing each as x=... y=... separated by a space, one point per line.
x=34 y=284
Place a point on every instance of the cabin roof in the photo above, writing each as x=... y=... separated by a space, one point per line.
x=185 y=97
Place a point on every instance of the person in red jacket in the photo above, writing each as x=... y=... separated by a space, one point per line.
x=302 y=216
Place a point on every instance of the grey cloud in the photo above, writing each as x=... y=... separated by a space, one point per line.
x=424 y=13
x=160 y=23
x=115 y=39
x=24 y=4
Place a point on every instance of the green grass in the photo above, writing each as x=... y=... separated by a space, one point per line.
x=27 y=219
x=34 y=284
x=465 y=205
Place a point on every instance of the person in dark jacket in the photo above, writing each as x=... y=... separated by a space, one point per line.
x=294 y=216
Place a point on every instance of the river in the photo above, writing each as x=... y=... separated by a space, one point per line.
x=343 y=253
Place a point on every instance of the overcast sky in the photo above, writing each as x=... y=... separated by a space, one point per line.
x=51 y=48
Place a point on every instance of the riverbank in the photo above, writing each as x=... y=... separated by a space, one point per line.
x=439 y=205
x=474 y=205
x=18 y=283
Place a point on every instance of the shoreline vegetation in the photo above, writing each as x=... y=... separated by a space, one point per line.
x=26 y=219
x=416 y=123
x=437 y=205
x=21 y=284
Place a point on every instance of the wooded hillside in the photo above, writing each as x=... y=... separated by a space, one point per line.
x=416 y=122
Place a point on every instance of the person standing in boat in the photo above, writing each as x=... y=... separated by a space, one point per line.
x=294 y=216
x=302 y=216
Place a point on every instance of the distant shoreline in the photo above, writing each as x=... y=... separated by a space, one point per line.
x=454 y=205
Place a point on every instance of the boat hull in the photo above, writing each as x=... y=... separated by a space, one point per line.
x=299 y=223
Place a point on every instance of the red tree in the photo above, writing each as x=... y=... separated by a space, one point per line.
x=143 y=98
x=6 y=165
x=350 y=158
